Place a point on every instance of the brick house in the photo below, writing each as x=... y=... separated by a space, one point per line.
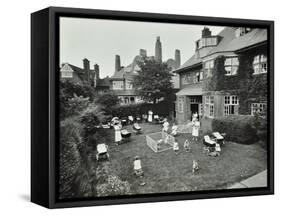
x=85 y=75
x=226 y=75
x=120 y=81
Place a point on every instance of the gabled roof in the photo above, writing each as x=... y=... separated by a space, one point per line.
x=229 y=43
x=193 y=61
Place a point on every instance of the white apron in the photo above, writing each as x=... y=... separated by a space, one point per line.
x=195 y=129
x=150 y=114
x=118 y=136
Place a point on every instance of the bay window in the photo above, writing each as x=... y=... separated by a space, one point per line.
x=260 y=64
x=209 y=106
x=231 y=66
x=231 y=105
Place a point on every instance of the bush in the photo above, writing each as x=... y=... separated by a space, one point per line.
x=113 y=187
x=163 y=108
x=238 y=128
x=70 y=160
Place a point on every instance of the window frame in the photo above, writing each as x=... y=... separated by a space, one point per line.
x=209 y=110
x=259 y=63
x=264 y=107
x=231 y=65
x=230 y=101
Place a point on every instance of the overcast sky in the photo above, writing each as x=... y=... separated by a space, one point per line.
x=100 y=40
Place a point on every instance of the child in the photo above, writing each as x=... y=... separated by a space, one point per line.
x=195 y=130
x=174 y=129
x=138 y=169
x=186 y=145
x=166 y=126
x=176 y=147
x=195 y=166
x=150 y=114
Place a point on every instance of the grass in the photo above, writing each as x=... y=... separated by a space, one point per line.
x=168 y=172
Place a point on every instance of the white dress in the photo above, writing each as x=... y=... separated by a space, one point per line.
x=195 y=128
x=150 y=114
x=118 y=136
x=174 y=130
x=166 y=126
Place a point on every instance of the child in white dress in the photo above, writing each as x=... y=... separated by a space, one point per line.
x=195 y=130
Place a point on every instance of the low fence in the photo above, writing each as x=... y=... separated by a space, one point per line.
x=160 y=141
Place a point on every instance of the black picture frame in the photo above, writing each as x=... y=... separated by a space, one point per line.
x=44 y=105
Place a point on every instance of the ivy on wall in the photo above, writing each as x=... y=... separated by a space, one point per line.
x=248 y=87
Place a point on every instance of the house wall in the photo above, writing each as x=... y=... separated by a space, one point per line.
x=247 y=86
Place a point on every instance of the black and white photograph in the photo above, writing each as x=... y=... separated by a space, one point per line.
x=152 y=108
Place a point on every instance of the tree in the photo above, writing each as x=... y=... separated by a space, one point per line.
x=108 y=100
x=153 y=81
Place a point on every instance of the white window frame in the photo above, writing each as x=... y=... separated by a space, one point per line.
x=258 y=107
x=180 y=104
x=233 y=64
x=259 y=62
x=208 y=68
x=117 y=85
x=209 y=106
x=230 y=101
x=66 y=74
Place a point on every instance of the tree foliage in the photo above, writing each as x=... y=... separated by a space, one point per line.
x=70 y=160
x=108 y=100
x=153 y=81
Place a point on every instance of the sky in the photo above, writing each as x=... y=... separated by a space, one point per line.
x=100 y=40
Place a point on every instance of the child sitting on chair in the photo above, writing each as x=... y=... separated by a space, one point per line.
x=137 y=167
x=166 y=126
x=176 y=147
x=186 y=145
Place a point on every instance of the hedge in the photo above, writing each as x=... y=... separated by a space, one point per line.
x=162 y=108
x=238 y=128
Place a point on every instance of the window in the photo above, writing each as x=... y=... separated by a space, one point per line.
x=129 y=84
x=241 y=31
x=209 y=66
x=66 y=74
x=117 y=84
x=209 y=106
x=231 y=105
x=231 y=66
x=260 y=64
x=258 y=108
x=180 y=104
x=195 y=99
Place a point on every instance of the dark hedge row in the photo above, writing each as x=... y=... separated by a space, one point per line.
x=238 y=128
x=162 y=108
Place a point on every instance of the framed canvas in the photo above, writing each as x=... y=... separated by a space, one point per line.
x=139 y=107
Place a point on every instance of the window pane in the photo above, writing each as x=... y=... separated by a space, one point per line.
x=256 y=59
x=227 y=61
x=235 y=61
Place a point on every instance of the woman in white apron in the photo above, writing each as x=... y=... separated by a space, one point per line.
x=150 y=115
x=195 y=130
x=118 y=137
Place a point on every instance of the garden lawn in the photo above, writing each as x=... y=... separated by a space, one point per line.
x=168 y=172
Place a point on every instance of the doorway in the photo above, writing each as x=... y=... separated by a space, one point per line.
x=194 y=108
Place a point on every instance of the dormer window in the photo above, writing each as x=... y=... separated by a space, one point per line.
x=206 y=42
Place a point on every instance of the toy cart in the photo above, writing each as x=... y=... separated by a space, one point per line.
x=102 y=151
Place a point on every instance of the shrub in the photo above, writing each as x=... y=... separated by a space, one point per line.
x=114 y=186
x=70 y=160
x=238 y=128
x=163 y=108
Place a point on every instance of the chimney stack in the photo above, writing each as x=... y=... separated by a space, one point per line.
x=206 y=32
x=117 y=63
x=86 y=65
x=158 y=50
x=177 y=58
x=97 y=71
x=143 y=53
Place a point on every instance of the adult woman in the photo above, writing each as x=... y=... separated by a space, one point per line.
x=150 y=115
x=195 y=130
x=118 y=137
